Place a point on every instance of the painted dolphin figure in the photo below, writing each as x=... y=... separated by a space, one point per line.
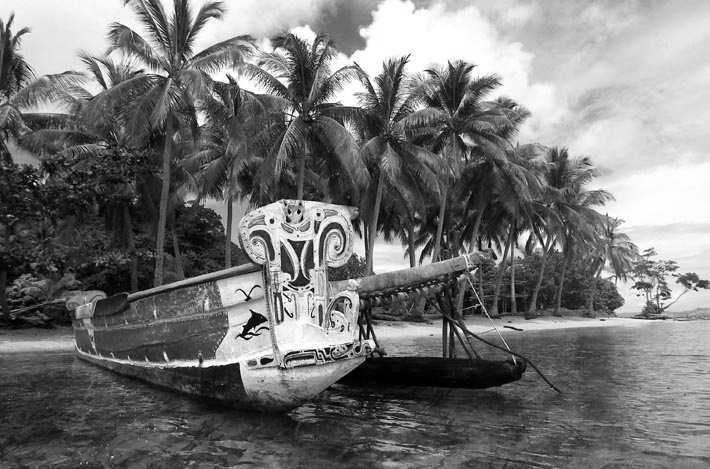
x=251 y=327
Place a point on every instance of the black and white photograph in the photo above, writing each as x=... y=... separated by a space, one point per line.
x=354 y=233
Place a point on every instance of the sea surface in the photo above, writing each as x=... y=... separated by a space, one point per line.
x=633 y=397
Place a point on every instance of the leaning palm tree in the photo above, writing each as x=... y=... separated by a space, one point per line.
x=179 y=77
x=454 y=120
x=611 y=250
x=299 y=74
x=397 y=164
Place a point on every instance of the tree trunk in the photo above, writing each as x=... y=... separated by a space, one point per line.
x=481 y=292
x=5 y=154
x=560 y=286
x=179 y=268
x=373 y=223
x=440 y=226
x=131 y=242
x=499 y=276
x=302 y=169
x=164 y=199
x=228 y=235
x=513 y=299
x=592 y=291
x=4 y=308
x=476 y=227
x=532 y=307
x=410 y=242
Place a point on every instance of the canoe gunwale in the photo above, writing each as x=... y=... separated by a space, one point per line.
x=242 y=269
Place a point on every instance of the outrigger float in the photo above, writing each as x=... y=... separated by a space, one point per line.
x=275 y=333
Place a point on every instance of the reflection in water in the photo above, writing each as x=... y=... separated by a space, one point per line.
x=635 y=397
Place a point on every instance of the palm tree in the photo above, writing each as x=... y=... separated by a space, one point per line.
x=400 y=167
x=88 y=133
x=20 y=91
x=180 y=76
x=515 y=193
x=15 y=72
x=454 y=120
x=563 y=176
x=578 y=219
x=239 y=125
x=299 y=74
x=612 y=250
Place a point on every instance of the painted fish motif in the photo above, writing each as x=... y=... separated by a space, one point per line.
x=253 y=327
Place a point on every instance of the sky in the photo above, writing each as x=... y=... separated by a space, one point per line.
x=623 y=82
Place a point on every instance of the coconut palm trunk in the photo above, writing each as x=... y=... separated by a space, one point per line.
x=592 y=291
x=373 y=223
x=410 y=242
x=179 y=267
x=476 y=228
x=163 y=210
x=513 y=299
x=302 y=169
x=440 y=225
x=532 y=307
x=131 y=244
x=4 y=308
x=560 y=286
x=499 y=276
x=228 y=234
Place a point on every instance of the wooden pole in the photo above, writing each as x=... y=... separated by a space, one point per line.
x=444 y=336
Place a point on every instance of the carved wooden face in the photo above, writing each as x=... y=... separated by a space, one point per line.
x=293 y=212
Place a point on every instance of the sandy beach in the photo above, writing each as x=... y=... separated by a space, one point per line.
x=478 y=325
x=61 y=339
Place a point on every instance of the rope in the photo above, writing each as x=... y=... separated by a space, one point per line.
x=483 y=307
x=463 y=327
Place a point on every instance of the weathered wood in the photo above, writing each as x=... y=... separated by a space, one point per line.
x=210 y=277
x=401 y=280
x=436 y=372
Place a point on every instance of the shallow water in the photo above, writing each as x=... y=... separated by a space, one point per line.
x=634 y=396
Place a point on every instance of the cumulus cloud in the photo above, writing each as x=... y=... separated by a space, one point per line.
x=436 y=34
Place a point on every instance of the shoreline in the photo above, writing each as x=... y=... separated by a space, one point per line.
x=478 y=325
x=62 y=340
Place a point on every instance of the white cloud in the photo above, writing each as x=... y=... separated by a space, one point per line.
x=662 y=195
x=434 y=35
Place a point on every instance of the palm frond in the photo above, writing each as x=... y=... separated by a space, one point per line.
x=228 y=53
x=131 y=43
x=344 y=147
x=48 y=88
x=263 y=79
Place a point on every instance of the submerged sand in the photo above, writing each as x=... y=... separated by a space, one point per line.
x=62 y=340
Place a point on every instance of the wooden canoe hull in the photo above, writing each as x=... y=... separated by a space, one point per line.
x=436 y=372
x=237 y=385
x=210 y=337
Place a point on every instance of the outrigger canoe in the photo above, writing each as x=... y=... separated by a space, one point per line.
x=271 y=334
